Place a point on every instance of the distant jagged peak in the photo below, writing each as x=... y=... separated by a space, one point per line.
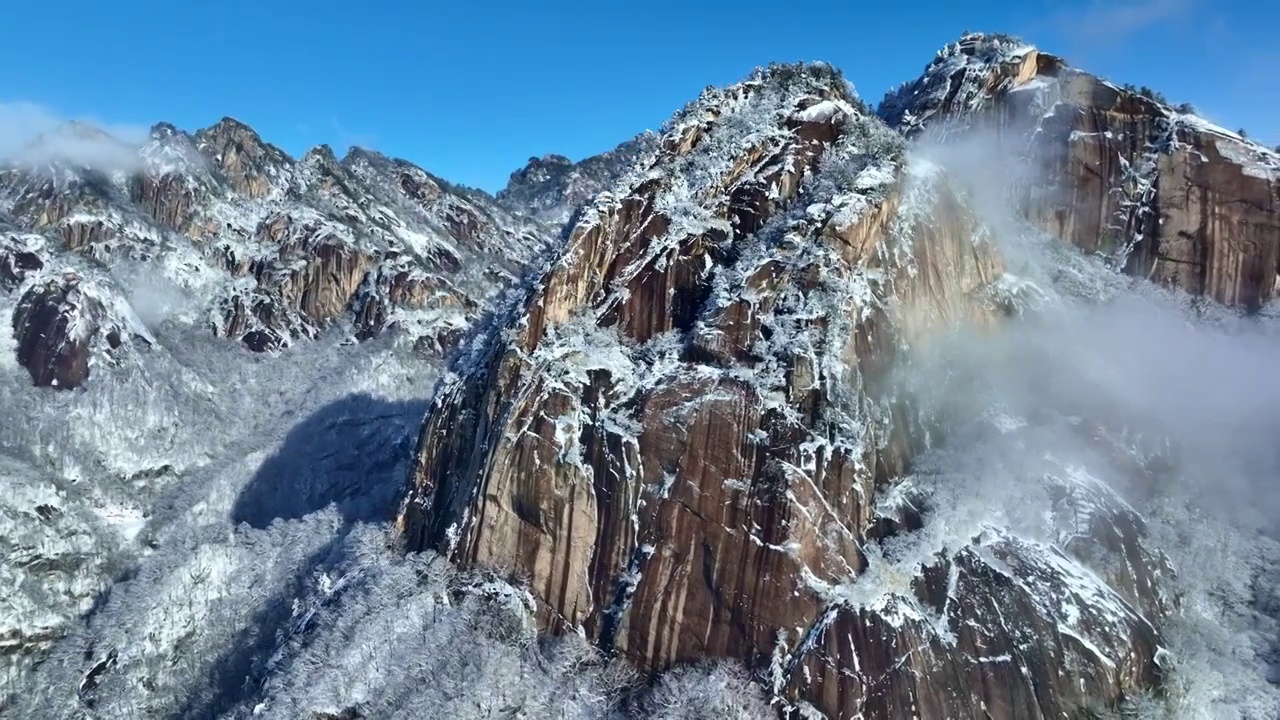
x=358 y=154
x=390 y=165
x=318 y=162
x=163 y=130
x=273 y=249
x=322 y=153
x=231 y=133
x=549 y=188
x=962 y=76
x=551 y=159
x=989 y=46
x=229 y=126
x=170 y=150
x=251 y=165
x=792 y=80
x=82 y=129
x=380 y=169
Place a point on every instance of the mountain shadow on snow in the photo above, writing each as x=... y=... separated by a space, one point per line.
x=352 y=453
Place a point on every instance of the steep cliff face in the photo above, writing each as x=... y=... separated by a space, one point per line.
x=1166 y=195
x=687 y=442
x=271 y=250
x=63 y=323
x=551 y=188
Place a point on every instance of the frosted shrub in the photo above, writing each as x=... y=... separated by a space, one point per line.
x=707 y=691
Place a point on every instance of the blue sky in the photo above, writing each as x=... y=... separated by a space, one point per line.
x=470 y=90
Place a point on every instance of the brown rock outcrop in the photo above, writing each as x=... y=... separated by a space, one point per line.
x=309 y=280
x=20 y=255
x=49 y=345
x=169 y=199
x=396 y=285
x=952 y=661
x=1165 y=195
x=254 y=168
x=59 y=324
x=75 y=211
x=680 y=437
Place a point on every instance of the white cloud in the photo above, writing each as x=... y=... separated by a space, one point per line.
x=1128 y=17
x=1118 y=19
x=32 y=133
x=353 y=139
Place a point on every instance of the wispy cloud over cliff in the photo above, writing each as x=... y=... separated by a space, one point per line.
x=35 y=134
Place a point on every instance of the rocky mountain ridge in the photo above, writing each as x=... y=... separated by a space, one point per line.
x=256 y=245
x=551 y=188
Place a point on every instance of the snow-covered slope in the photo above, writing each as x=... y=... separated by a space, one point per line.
x=204 y=534
x=200 y=531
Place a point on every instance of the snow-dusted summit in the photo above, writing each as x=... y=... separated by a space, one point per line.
x=552 y=187
x=1114 y=170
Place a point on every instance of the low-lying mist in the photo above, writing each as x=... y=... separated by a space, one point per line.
x=1167 y=399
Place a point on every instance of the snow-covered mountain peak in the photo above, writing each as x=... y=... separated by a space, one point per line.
x=275 y=249
x=254 y=167
x=230 y=127
x=80 y=130
x=1108 y=166
x=962 y=76
x=320 y=155
x=72 y=152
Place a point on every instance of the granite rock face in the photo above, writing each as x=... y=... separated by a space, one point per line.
x=66 y=325
x=685 y=439
x=1166 y=195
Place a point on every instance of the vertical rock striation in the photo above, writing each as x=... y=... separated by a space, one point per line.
x=1166 y=195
